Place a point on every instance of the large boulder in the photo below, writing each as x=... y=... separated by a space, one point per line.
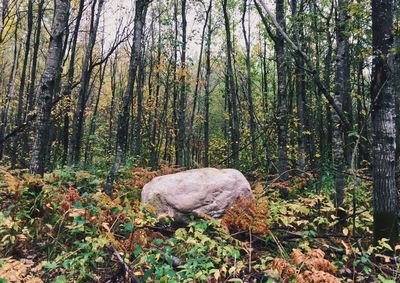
x=195 y=192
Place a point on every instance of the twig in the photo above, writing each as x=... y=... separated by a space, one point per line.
x=134 y=278
x=284 y=173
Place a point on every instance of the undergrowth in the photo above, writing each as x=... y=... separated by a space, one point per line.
x=63 y=228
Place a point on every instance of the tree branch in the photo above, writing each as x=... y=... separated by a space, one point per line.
x=311 y=67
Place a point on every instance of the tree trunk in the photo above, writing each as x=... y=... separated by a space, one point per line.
x=282 y=95
x=10 y=89
x=385 y=193
x=123 y=117
x=70 y=82
x=300 y=88
x=252 y=120
x=139 y=114
x=231 y=90
x=31 y=92
x=207 y=91
x=78 y=120
x=20 y=109
x=47 y=86
x=181 y=132
x=198 y=73
x=342 y=70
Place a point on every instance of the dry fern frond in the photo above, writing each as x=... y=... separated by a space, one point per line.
x=298 y=257
x=284 y=268
x=247 y=215
x=18 y=271
x=316 y=277
x=316 y=253
x=312 y=267
x=313 y=260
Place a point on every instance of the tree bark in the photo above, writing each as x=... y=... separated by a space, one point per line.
x=207 y=91
x=20 y=109
x=231 y=90
x=78 y=120
x=123 y=117
x=252 y=120
x=47 y=86
x=282 y=122
x=342 y=70
x=10 y=89
x=70 y=82
x=182 y=102
x=385 y=193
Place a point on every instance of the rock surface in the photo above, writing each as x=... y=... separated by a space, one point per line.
x=195 y=192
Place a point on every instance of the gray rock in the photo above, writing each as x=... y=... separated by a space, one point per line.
x=195 y=192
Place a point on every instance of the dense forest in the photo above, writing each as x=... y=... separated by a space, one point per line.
x=99 y=97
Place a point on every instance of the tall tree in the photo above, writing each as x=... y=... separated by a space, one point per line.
x=207 y=90
x=249 y=93
x=385 y=192
x=47 y=86
x=281 y=66
x=23 y=80
x=70 y=82
x=231 y=93
x=78 y=120
x=182 y=102
x=141 y=7
x=342 y=77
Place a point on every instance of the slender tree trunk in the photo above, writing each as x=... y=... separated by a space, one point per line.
x=30 y=104
x=123 y=117
x=282 y=94
x=10 y=89
x=231 y=90
x=47 y=87
x=156 y=119
x=175 y=85
x=181 y=131
x=92 y=126
x=341 y=92
x=113 y=76
x=300 y=88
x=395 y=68
x=20 y=109
x=252 y=120
x=326 y=143
x=70 y=82
x=139 y=113
x=31 y=92
x=385 y=193
x=207 y=91
x=79 y=115
x=198 y=73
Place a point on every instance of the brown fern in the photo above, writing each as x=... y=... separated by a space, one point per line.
x=247 y=215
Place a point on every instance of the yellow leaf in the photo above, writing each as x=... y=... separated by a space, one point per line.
x=217 y=275
x=345 y=231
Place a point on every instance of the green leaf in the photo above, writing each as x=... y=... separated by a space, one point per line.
x=147 y=275
x=138 y=250
x=158 y=241
x=51 y=265
x=60 y=279
x=128 y=227
x=384 y=280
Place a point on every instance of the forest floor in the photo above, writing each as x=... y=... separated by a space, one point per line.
x=63 y=228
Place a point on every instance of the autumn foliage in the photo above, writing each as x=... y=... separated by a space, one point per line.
x=247 y=215
x=310 y=267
